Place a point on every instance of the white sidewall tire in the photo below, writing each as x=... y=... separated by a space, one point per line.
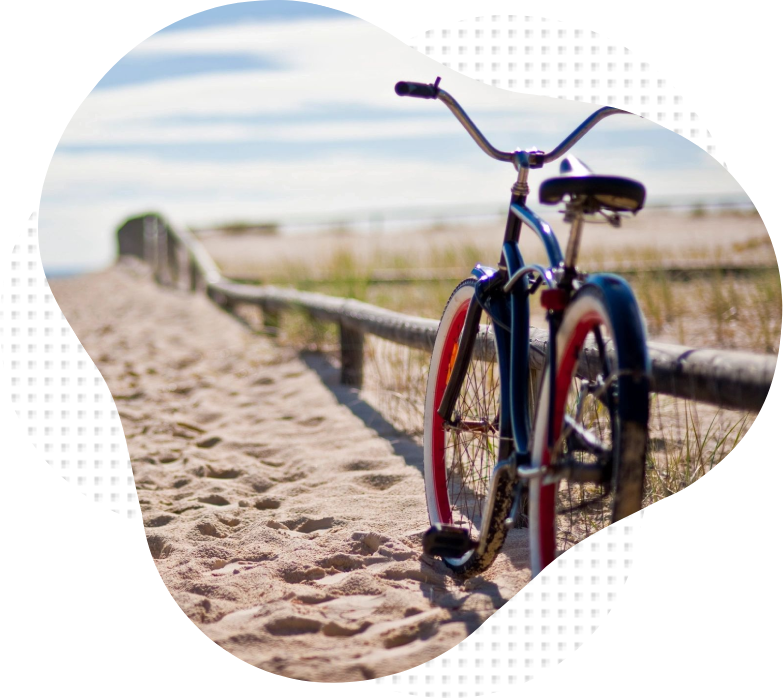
x=461 y=295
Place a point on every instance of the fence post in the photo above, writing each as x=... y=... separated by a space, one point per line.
x=174 y=252
x=351 y=356
x=162 y=257
x=192 y=275
x=130 y=238
x=271 y=319
x=221 y=300
x=151 y=242
x=184 y=278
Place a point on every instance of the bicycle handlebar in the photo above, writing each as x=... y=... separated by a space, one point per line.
x=424 y=91
x=416 y=89
x=577 y=134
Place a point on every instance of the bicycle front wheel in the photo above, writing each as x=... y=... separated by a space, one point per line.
x=599 y=436
x=460 y=457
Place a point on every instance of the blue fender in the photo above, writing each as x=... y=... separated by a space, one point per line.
x=633 y=359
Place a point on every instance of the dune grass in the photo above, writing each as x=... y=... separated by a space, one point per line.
x=716 y=310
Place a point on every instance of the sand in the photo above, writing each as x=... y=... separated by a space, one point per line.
x=284 y=515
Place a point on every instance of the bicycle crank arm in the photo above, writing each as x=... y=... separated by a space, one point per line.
x=579 y=438
x=519 y=490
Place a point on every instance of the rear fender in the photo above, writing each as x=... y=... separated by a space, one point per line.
x=633 y=359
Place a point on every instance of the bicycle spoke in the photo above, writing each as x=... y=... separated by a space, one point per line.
x=473 y=442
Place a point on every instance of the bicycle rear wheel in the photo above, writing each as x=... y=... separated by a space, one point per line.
x=599 y=436
x=460 y=458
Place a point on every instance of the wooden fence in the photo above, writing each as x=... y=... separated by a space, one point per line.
x=728 y=379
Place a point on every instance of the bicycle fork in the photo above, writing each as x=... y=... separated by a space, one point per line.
x=460 y=368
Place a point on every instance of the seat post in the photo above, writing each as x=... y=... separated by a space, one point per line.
x=574 y=214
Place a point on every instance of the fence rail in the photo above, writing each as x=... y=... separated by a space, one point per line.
x=728 y=379
x=679 y=270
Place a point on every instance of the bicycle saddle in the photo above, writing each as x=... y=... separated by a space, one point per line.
x=600 y=191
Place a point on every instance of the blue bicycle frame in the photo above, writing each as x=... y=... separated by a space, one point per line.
x=504 y=294
x=510 y=313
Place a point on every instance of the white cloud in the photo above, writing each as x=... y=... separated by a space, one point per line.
x=348 y=130
x=333 y=72
x=342 y=64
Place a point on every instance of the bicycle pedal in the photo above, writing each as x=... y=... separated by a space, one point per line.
x=443 y=540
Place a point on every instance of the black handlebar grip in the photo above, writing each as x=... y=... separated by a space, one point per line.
x=416 y=89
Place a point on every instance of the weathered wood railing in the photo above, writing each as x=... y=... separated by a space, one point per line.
x=728 y=379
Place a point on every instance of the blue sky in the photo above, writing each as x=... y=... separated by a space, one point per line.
x=281 y=110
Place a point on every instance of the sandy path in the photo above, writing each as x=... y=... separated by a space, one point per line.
x=284 y=526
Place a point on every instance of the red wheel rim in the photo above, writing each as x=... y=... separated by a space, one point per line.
x=438 y=435
x=565 y=374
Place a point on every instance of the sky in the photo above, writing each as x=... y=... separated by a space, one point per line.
x=285 y=111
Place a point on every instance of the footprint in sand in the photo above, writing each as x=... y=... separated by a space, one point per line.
x=215 y=499
x=403 y=632
x=267 y=503
x=207 y=528
x=188 y=507
x=295 y=573
x=387 y=548
x=258 y=482
x=190 y=427
x=380 y=481
x=369 y=542
x=365 y=465
x=229 y=521
x=265 y=454
x=293 y=625
x=312 y=525
x=292 y=477
x=343 y=562
x=315 y=597
x=160 y=547
x=333 y=629
x=312 y=421
x=157 y=521
x=219 y=473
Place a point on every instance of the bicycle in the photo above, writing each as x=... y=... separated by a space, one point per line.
x=572 y=460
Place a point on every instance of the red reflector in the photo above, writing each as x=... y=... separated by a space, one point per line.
x=554 y=298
